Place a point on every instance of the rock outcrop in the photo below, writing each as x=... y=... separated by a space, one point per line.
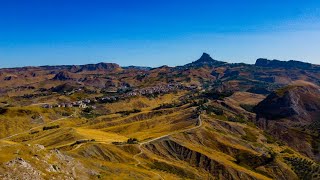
x=62 y=76
x=300 y=100
x=292 y=115
x=204 y=60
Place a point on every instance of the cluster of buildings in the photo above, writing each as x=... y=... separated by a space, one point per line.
x=108 y=99
x=160 y=89
x=81 y=104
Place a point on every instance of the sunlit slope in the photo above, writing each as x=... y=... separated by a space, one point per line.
x=194 y=140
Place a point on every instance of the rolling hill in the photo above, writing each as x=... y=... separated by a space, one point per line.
x=208 y=119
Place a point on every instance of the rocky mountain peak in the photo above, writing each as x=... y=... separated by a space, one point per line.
x=204 y=60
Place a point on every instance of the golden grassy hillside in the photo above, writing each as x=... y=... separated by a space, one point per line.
x=179 y=142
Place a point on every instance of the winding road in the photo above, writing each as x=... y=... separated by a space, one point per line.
x=135 y=157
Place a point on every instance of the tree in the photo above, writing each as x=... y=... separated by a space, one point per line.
x=132 y=141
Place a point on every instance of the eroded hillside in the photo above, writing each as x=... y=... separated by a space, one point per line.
x=205 y=120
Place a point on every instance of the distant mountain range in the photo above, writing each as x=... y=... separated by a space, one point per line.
x=262 y=77
x=204 y=60
x=285 y=64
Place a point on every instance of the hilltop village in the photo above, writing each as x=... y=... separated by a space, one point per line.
x=150 y=91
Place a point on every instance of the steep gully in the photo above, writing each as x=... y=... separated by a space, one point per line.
x=135 y=157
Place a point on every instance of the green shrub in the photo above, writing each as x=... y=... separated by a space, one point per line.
x=210 y=109
x=216 y=95
x=305 y=169
x=132 y=141
x=3 y=110
x=50 y=127
x=247 y=107
x=118 y=143
x=252 y=161
x=215 y=110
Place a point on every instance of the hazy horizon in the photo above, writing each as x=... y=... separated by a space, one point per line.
x=137 y=65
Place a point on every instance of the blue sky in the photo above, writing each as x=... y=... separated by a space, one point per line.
x=156 y=32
